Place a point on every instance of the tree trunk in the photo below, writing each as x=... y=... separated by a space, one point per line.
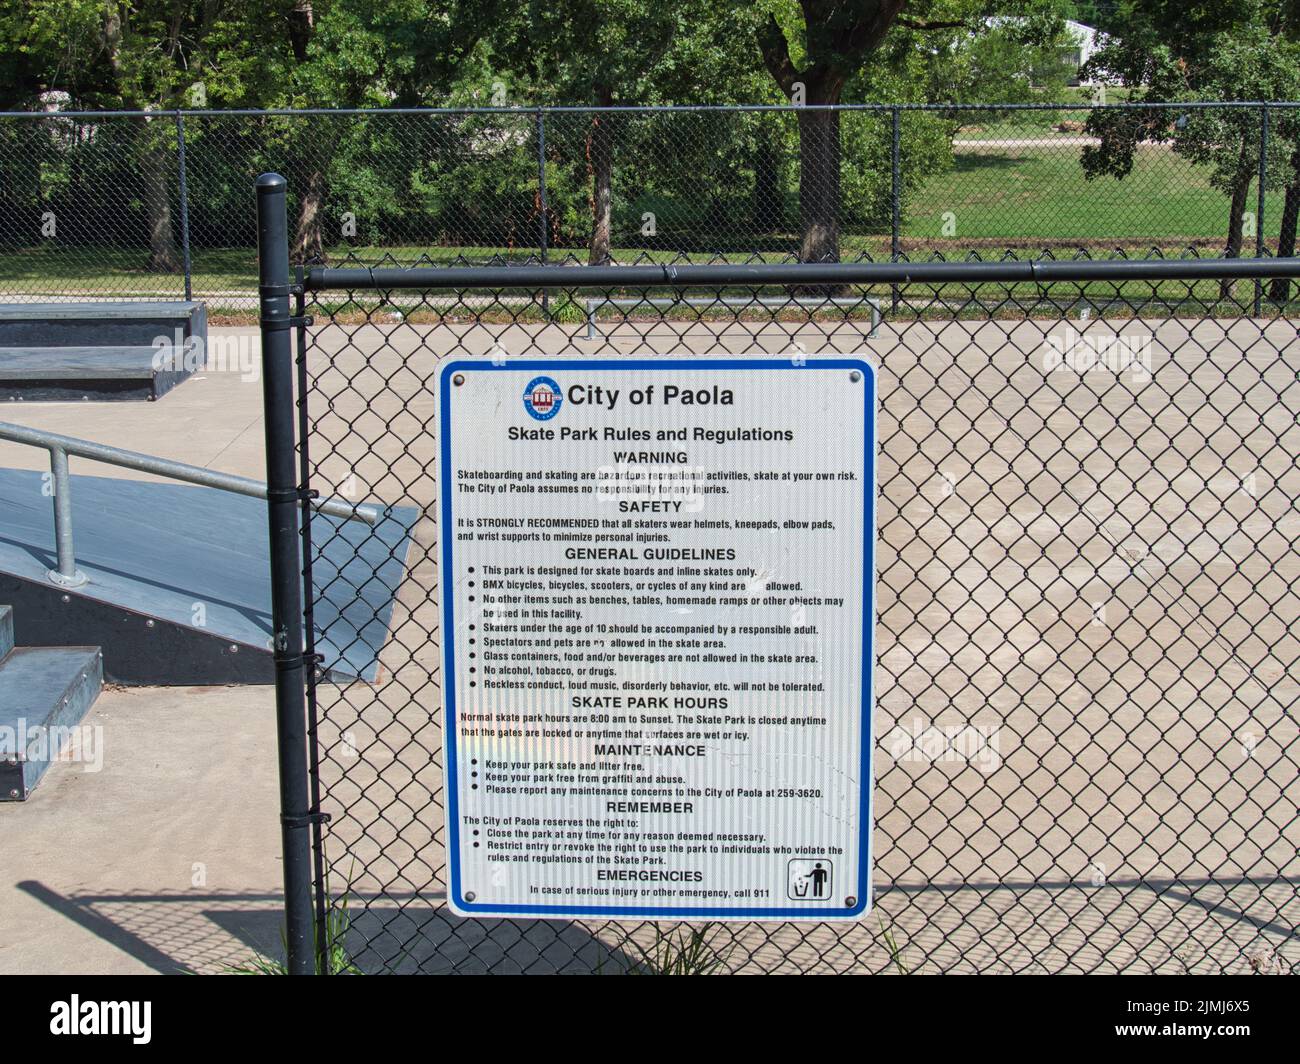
x=819 y=186
x=768 y=208
x=1236 y=211
x=600 y=161
x=308 y=247
x=163 y=255
x=302 y=25
x=1280 y=290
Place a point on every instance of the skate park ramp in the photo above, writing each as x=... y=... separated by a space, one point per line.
x=179 y=589
x=98 y=351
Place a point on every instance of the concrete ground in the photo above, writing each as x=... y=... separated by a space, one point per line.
x=168 y=859
x=1140 y=815
x=164 y=860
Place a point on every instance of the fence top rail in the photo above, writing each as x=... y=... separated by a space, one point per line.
x=320 y=279
x=1179 y=105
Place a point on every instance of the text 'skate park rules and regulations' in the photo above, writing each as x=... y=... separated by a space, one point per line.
x=658 y=582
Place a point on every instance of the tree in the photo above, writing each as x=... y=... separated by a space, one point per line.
x=45 y=44
x=601 y=52
x=143 y=55
x=1249 y=64
x=1169 y=54
x=838 y=38
x=1288 y=128
x=352 y=54
x=813 y=56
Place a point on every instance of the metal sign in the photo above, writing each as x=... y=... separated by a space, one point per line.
x=658 y=582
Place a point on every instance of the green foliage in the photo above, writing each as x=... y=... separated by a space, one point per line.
x=1249 y=64
x=566 y=310
x=891 y=944
x=334 y=959
x=708 y=181
x=683 y=951
x=866 y=181
x=601 y=51
x=1005 y=53
x=1238 y=50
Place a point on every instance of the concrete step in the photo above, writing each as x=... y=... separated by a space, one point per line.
x=44 y=691
x=42 y=374
x=6 y=630
x=123 y=324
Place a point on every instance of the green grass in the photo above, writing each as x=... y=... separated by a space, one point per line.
x=100 y=271
x=103 y=271
x=895 y=951
x=993 y=124
x=73 y=275
x=1015 y=125
x=1040 y=193
x=334 y=959
x=681 y=951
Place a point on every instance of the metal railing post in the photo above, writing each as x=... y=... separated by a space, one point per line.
x=286 y=568
x=66 y=574
x=184 y=204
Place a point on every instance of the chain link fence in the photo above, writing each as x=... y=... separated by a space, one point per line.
x=1086 y=658
x=150 y=205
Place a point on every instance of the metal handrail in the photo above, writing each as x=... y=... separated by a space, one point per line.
x=60 y=447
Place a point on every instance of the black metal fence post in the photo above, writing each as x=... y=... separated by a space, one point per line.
x=895 y=201
x=184 y=204
x=541 y=201
x=286 y=585
x=309 y=628
x=1259 y=211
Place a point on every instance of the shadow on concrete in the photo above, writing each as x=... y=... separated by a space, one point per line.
x=215 y=932
x=194 y=932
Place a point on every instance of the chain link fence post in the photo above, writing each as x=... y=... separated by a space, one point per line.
x=183 y=192
x=895 y=201
x=541 y=202
x=286 y=565
x=1259 y=212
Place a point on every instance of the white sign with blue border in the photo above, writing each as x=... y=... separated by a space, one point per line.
x=658 y=583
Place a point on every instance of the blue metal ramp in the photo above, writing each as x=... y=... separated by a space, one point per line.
x=179 y=586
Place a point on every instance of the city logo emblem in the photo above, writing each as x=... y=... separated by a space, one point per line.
x=542 y=398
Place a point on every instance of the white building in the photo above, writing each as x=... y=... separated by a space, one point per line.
x=1086 y=41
